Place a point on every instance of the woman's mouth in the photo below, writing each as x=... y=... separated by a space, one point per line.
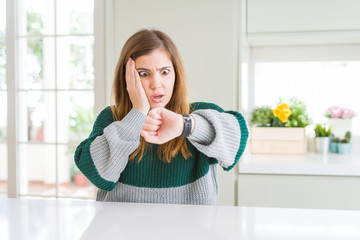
x=158 y=98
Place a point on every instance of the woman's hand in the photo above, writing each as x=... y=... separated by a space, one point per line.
x=135 y=89
x=162 y=125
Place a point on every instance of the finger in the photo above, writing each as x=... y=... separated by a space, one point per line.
x=149 y=136
x=137 y=81
x=128 y=72
x=153 y=121
x=150 y=127
x=154 y=114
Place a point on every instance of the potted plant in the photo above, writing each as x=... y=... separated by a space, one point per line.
x=322 y=138
x=77 y=177
x=262 y=116
x=344 y=146
x=280 y=130
x=334 y=143
x=339 y=119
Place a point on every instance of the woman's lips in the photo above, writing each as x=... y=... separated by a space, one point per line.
x=158 y=98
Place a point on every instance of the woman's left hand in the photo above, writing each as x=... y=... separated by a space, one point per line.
x=162 y=125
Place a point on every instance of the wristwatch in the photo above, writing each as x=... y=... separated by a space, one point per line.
x=187 y=126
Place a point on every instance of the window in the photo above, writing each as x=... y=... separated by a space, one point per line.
x=55 y=92
x=3 y=101
x=320 y=84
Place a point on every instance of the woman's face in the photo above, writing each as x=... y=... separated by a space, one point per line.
x=157 y=76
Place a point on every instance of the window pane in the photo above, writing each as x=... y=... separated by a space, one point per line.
x=3 y=116
x=3 y=145
x=74 y=17
x=72 y=182
x=36 y=17
x=37 y=114
x=2 y=65
x=37 y=63
x=319 y=84
x=2 y=18
x=37 y=169
x=75 y=116
x=75 y=63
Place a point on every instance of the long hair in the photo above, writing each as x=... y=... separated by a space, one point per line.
x=139 y=44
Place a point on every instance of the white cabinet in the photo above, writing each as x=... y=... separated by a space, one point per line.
x=292 y=191
x=329 y=181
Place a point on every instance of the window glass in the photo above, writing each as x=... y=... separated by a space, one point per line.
x=76 y=115
x=3 y=145
x=36 y=17
x=2 y=65
x=75 y=17
x=37 y=114
x=3 y=102
x=37 y=169
x=319 y=84
x=75 y=63
x=37 y=63
x=72 y=183
x=2 y=18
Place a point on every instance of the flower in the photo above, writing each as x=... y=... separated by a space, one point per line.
x=282 y=112
x=338 y=112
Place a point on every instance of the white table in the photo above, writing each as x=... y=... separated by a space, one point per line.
x=71 y=219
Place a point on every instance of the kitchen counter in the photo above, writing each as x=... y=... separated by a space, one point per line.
x=309 y=164
x=72 y=219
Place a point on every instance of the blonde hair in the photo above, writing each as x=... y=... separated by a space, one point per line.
x=139 y=44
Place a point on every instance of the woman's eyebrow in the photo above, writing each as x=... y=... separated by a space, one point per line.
x=145 y=69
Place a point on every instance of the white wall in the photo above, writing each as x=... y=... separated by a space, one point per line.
x=206 y=33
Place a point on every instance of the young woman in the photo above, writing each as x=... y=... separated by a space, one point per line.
x=152 y=146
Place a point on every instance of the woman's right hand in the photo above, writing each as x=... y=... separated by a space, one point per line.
x=135 y=89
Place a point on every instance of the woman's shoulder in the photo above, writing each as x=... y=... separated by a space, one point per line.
x=205 y=105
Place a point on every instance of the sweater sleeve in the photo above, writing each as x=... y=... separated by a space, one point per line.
x=219 y=134
x=104 y=154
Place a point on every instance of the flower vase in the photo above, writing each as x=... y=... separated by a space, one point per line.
x=344 y=148
x=322 y=145
x=340 y=126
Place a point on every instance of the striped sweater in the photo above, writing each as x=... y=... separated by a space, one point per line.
x=219 y=138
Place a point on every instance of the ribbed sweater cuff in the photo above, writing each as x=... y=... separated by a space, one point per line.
x=129 y=127
x=204 y=132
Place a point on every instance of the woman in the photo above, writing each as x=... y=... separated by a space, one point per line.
x=153 y=146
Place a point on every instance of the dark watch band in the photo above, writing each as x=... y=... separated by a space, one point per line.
x=187 y=126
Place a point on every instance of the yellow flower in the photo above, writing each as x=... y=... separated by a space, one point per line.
x=283 y=112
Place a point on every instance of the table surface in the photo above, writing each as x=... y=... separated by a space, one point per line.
x=74 y=219
x=330 y=164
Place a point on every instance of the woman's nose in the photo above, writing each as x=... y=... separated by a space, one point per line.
x=156 y=81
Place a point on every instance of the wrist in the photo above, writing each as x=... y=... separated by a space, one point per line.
x=145 y=111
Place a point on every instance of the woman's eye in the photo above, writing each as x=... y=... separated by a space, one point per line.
x=165 y=71
x=143 y=74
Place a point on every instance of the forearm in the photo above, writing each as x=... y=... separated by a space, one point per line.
x=219 y=135
x=110 y=151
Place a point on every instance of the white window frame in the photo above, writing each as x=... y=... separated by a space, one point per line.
x=12 y=84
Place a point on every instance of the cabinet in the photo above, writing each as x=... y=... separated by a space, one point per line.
x=329 y=181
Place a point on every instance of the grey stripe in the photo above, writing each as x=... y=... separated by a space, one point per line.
x=110 y=151
x=226 y=142
x=203 y=191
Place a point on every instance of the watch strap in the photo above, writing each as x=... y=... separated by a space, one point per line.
x=187 y=126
